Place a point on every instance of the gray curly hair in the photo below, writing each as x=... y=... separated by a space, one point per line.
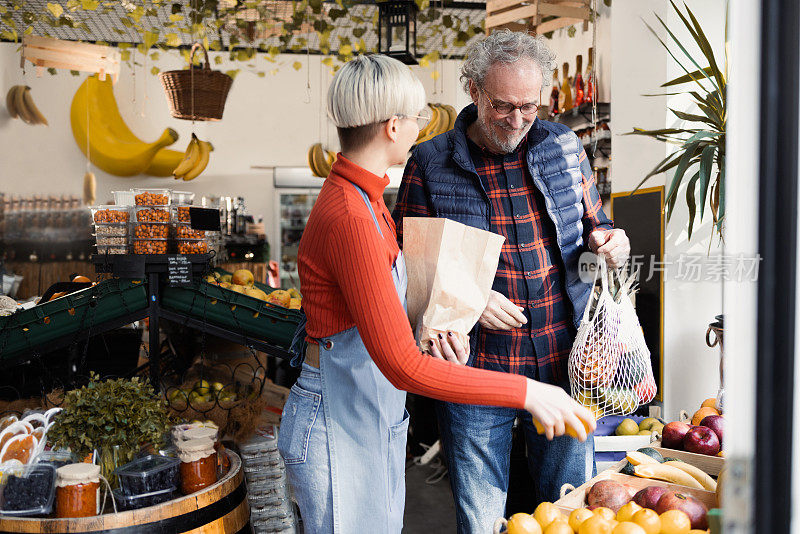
x=505 y=46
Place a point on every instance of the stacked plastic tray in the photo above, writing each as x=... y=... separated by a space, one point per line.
x=147 y=481
x=111 y=229
x=153 y=221
x=271 y=507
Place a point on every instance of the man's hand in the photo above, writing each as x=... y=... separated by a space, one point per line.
x=613 y=245
x=501 y=313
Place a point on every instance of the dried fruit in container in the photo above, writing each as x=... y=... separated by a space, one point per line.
x=20 y=447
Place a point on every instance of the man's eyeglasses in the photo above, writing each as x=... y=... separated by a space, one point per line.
x=504 y=108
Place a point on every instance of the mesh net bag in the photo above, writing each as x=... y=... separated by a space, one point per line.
x=609 y=365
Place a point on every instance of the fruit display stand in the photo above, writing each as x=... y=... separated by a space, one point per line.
x=572 y=499
x=201 y=306
x=67 y=319
x=219 y=508
x=610 y=448
x=710 y=464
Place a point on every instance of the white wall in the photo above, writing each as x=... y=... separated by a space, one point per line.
x=640 y=66
x=268 y=121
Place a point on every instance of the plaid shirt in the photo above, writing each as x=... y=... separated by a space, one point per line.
x=530 y=271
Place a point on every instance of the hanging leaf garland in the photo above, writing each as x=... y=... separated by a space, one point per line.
x=249 y=27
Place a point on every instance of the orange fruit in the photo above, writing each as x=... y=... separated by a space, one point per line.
x=558 y=527
x=702 y=413
x=648 y=520
x=523 y=524
x=626 y=512
x=546 y=513
x=626 y=527
x=578 y=516
x=675 y=522
x=606 y=513
x=709 y=403
x=595 y=525
x=80 y=280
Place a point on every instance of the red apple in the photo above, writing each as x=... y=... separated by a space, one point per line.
x=715 y=423
x=701 y=440
x=649 y=496
x=696 y=510
x=672 y=434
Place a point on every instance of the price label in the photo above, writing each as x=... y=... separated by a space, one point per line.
x=179 y=270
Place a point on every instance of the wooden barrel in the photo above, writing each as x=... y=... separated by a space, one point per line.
x=221 y=508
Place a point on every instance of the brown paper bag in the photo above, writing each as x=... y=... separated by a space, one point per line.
x=451 y=267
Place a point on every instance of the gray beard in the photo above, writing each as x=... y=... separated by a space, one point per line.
x=506 y=146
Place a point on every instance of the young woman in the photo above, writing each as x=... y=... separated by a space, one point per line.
x=343 y=432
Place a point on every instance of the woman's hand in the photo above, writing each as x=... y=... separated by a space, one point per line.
x=556 y=412
x=446 y=346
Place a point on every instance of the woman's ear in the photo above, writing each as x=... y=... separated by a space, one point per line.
x=391 y=128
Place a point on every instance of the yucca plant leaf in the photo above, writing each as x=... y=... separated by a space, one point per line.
x=696 y=80
x=687 y=54
x=690 y=202
x=705 y=46
x=683 y=165
x=706 y=161
x=721 y=203
x=686 y=78
x=666 y=164
x=692 y=117
x=662 y=131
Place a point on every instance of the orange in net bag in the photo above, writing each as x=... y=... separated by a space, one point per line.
x=609 y=364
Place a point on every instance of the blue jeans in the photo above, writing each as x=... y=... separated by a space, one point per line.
x=476 y=441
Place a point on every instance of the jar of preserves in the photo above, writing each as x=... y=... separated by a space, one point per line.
x=78 y=490
x=198 y=464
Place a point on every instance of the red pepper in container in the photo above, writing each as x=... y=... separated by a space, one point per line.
x=78 y=490
x=198 y=464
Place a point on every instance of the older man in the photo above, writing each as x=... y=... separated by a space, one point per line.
x=530 y=181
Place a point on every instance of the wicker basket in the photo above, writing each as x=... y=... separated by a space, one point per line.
x=196 y=93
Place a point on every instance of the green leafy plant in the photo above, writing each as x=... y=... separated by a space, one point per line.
x=701 y=147
x=119 y=415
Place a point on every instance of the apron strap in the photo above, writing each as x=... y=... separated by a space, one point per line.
x=369 y=206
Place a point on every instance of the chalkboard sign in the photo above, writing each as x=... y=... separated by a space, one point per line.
x=179 y=270
x=641 y=216
x=204 y=219
x=129 y=266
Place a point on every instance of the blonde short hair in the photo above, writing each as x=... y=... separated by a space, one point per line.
x=370 y=89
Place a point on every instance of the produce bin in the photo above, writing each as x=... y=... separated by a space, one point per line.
x=70 y=315
x=235 y=311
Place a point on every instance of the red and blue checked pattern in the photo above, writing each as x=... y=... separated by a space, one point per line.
x=530 y=271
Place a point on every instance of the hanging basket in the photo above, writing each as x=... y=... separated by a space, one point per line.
x=197 y=93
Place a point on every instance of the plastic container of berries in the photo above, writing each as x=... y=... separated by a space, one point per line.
x=151 y=246
x=149 y=474
x=191 y=246
x=152 y=197
x=134 y=502
x=153 y=214
x=28 y=490
x=151 y=230
x=110 y=214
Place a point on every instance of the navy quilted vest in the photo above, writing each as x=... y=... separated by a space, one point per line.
x=455 y=189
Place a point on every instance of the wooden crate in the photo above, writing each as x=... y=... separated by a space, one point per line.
x=710 y=464
x=576 y=498
x=536 y=16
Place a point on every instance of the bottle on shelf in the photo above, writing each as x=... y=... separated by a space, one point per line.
x=579 y=91
x=589 y=95
x=554 y=107
x=565 y=96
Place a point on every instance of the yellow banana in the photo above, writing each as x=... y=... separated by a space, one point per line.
x=30 y=107
x=321 y=162
x=330 y=157
x=19 y=104
x=435 y=125
x=111 y=145
x=639 y=458
x=189 y=160
x=667 y=473
x=451 y=112
x=89 y=188
x=202 y=161
x=10 y=95
x=427 y=129
x=310 y=159
x=698 y=474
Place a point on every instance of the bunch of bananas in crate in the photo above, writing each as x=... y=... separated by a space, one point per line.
x=19 y=103
x=194 y=161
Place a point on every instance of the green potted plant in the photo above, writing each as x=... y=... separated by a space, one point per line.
x=702 y=141
x=115 y=417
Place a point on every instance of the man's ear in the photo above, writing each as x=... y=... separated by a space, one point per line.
x=391 y=128
x=474 y=92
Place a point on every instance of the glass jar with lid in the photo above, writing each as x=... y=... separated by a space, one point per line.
x=198 y=464
x=78 y=490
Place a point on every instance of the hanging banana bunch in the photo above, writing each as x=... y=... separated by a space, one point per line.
x=19 y=103
x=320 y=160
x=194 y=160
x=443 y=118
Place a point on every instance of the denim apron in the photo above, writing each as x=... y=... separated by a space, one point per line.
x=343 y=433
